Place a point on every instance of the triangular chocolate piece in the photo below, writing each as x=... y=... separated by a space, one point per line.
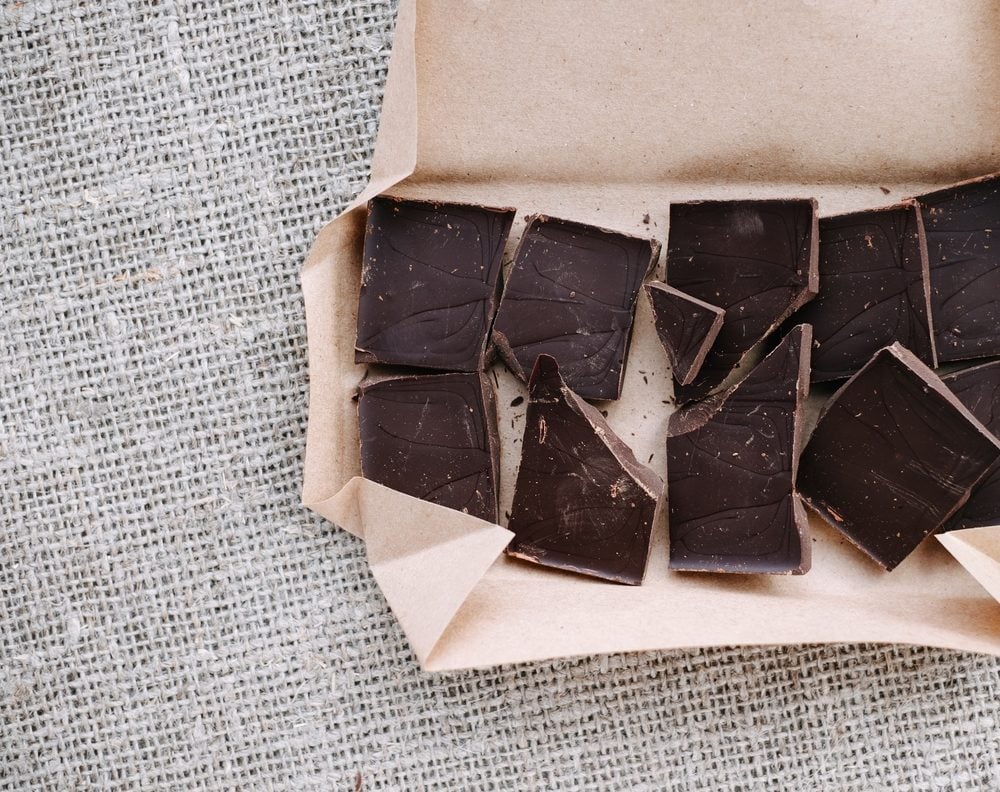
x=581 y=502
x=731 y=467
x=687 y=328
x=894 y=455
x=757 y=260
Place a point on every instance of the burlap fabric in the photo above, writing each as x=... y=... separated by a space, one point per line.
x=170 y=617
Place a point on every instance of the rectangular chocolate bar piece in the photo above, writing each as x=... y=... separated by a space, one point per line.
x=893 y=456
x=433 y=437
x=429 y=283
x=757 y=260
x=687 y=328
x=571 y=294
x=962 y=224
x=581 y=502
x=874 y=290
x=731 y=468
x=978 y=388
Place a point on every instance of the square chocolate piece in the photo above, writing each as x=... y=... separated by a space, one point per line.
x=429 y=283
x=571 y=294
x=581 y=502
x=962 y=224
x=433 y=437
x=874 y=290
x=731 y=467
x=757 y=260
x=687 y=328
x=893 y=456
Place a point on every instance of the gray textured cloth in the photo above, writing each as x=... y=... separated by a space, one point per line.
x=170 y=617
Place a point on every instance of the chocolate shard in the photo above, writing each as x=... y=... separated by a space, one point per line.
x=429 y=283
x=687 y=328
x=978 y=388
x=893 y=456
x=731 y=469
x=571 y=294
x=433 y=437
x=581 y=502
x=962 y=224
x=757 y=260
x=874 y=290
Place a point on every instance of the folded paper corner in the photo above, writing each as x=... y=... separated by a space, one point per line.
x=978 y=550
x=425 y=558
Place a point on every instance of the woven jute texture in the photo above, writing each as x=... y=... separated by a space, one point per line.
x=170 y=617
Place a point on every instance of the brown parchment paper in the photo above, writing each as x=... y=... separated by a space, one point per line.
x=606 y=112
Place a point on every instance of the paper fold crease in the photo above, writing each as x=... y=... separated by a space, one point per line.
x=978 y=550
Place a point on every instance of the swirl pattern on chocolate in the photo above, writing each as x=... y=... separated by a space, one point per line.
x=433 y=437
x=429 y=283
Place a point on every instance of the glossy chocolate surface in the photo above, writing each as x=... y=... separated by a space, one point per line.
x=433 y=437
x=731 y=468
x=687 y=328
x=581 y=502
x=571 y=294
x=893 y=456
x=874 y=289
x=757 y=260
x=962 y=224
x=429 y=283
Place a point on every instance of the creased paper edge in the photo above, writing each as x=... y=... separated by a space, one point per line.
x=343 y=503
x=425 y=558
x=979 y=562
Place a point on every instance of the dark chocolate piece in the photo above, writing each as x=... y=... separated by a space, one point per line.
x=893 y=456
x=433 y=437
x=429 y=283
x=964 y=255
x=978 y=388
x=687 y=328
x=582 y=502
x=874 y=290
x=757 y=260
x=571 y=294
x=731 y=467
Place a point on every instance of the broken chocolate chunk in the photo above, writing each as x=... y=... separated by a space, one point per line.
x=731 y=468
x=978 y=388
x=874 y=290
x=893 y=456
x=687 y=328
x=429 y=283
x=571 y=294
x=433 y=437
x=962 y=224
x=757 y=260
x=581 y=502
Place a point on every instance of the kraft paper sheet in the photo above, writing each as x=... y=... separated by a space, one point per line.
x=606 y=113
